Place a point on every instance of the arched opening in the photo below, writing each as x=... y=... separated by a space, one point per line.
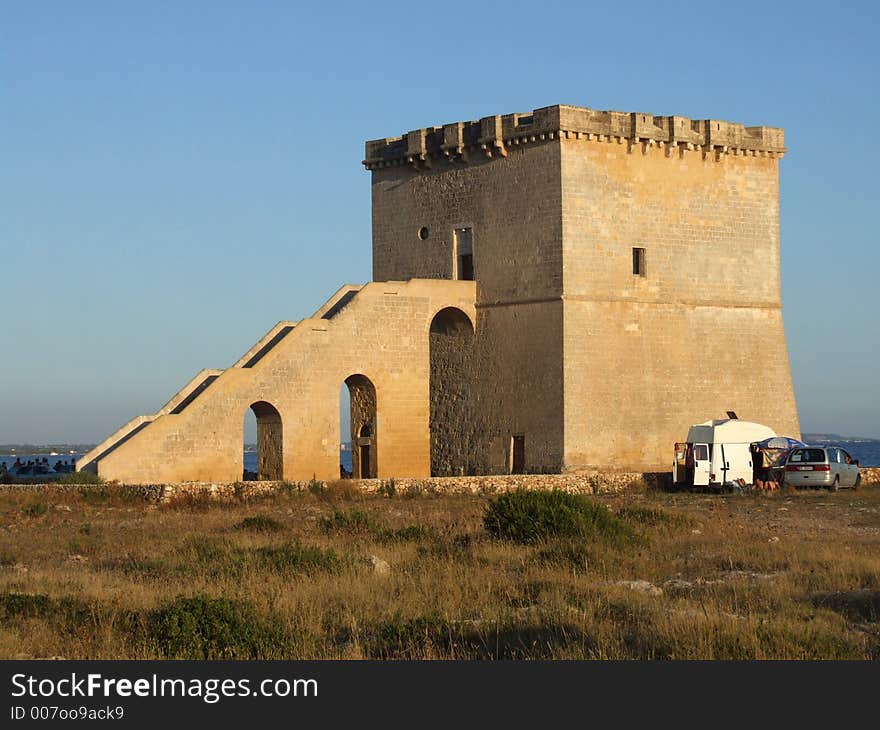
x=452 y=408
x=361 y=428
x=268 y=463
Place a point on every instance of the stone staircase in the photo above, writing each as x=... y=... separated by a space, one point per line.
x=204 y=378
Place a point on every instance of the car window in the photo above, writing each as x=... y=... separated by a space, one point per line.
x=807 y=455
x=700 y=452
x=833 y=455
x=845 y=457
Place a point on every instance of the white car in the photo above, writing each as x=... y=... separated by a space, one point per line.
x=822 y=466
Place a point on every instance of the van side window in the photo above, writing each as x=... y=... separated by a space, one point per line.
x=700 y=452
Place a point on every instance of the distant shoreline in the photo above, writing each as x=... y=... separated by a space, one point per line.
x=44 y=449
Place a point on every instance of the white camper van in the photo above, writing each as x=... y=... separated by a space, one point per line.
x=717 y=452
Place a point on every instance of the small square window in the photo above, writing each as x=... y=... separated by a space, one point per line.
x=639 y=268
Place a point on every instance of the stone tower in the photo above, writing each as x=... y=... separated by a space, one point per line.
x=627 y=276
x=562 y=290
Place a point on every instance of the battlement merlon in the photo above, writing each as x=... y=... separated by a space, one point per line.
x=493 y=136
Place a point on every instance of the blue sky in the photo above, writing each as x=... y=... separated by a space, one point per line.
x=176 y=177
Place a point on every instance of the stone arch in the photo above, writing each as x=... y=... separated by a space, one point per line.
x=270 y=441
x=364 y=426
x=451 y=318
x=452 y=416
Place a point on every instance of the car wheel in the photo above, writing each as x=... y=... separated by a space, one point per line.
x=858 y=482
x=835 y=485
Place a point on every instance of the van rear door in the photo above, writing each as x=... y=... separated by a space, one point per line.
x=701 y=465
x=738 y=463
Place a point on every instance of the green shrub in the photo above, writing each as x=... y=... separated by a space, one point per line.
x=353 y=521
x=26 y=605
x=535 y=516
x=206 y=549
x=69 y=613
x=259 y=523
x=212 y=556
x=222 y=558
x=294 y=557
x=214 y=628
x=357 y=522
x=35 y=509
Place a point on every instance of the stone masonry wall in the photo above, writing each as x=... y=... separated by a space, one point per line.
x=701 y=333
x=382 y=334
x=513 y=206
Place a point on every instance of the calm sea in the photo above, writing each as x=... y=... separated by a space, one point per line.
x=250 y=459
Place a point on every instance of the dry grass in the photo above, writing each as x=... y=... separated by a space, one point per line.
x=338 y=575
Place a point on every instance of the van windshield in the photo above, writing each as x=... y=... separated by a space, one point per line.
x=807 y=455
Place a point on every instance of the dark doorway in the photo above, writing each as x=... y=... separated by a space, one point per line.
x=452 y=417
x=270 y=443
x=518 y=454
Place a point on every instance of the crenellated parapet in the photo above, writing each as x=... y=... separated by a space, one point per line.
x=494 y=136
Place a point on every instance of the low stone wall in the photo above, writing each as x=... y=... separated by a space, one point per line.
x=149 y=492
x=597 y=483
x=593 y=483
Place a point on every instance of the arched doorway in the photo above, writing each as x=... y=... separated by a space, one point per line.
x=452 y=421
x=270 y=443
x=452 y=411
x=363 y=425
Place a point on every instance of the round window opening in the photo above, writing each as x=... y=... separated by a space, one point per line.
x=423 y=233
